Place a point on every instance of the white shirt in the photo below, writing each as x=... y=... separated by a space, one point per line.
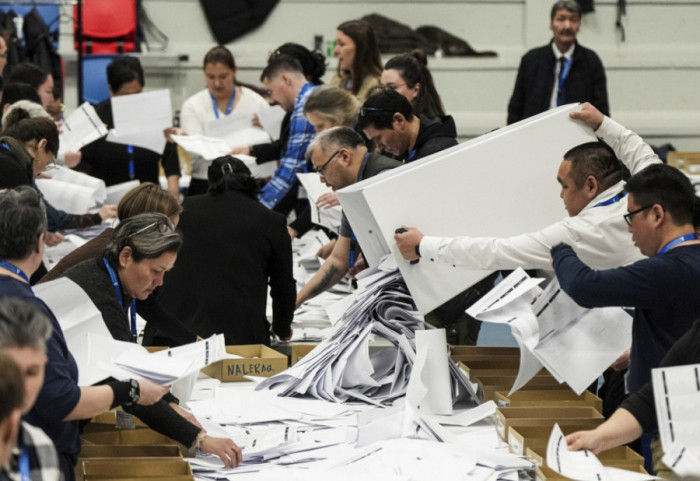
x=557 y=70
x=598 y=234
x=198 y=111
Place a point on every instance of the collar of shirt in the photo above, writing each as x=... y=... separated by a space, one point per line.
x=361 y=171
x=567 y=55
x=605 y=195
x=301 y=96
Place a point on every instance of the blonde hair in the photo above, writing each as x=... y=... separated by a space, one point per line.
x=334 y=105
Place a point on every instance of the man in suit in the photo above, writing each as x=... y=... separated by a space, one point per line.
x=559 y=73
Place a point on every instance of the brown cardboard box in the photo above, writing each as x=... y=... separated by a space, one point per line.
x=488 y=362
x=301 y=350
x=507 y=417
x=489 y=385
x=107 y=421
x=521 y=438
x=136 y=436
x=93 y=470
x=563 y=397
x=129 y=451
x=619 y=456
x=545 y=474
x=688 y=162
x=258 y=360
x=484 y=351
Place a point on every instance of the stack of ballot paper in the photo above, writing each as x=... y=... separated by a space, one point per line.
x=80 y=128
x=677 y=398
x=330 y=217
x=72 y=191
x=140 y=119
x=341 y=368
x=575 y=344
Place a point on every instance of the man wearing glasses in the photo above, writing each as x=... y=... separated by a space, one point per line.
x=663 y=288
x=340 y=156
x=387 y=119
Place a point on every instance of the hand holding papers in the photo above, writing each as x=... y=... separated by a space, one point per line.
x=237 y=130
x=330 y=217
x=139 y=119
x=575 y=344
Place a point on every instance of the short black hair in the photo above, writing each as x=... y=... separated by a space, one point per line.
x=570 y=5
x=667 y=186
x=313 y=63
x=279 y=64
x=16 y=91
x=22 y=221
x=123 y=70
x=29 y=73
x=378 y=110
x=597 y=159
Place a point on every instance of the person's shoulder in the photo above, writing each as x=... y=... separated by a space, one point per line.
x=35 y=436
x=585 y=52
x=197 y=98
x=84 y=273
x=252 y=95
x=538 y=52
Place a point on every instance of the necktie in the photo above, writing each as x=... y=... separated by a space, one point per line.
x=560 y=83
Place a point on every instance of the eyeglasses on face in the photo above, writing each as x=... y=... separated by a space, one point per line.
x=630 y=215
x=321 y=169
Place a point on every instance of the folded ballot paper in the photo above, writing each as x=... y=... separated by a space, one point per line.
x=72 y=191
x=140 y=119
x=80 y=128
x=341 y=368
x=677 y=399
x=575 y=344
x=330 y=217
x=583 y=465
x=519 y=161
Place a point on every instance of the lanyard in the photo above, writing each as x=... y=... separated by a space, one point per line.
x=130 y=151
x=676 y=241
x=411 y=155
x=24 y=465
x=118 y=290
x=230 y=103
x=353 y=243
x=612 y=200
x=15 y=269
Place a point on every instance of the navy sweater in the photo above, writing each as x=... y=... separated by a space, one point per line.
x=662 y=289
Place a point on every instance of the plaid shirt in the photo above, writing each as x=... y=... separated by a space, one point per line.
x=43 y=460
x=301 y=132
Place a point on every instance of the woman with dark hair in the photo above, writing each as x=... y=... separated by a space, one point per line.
x=243 y=247
x=222 y=97
x=359 y=62
x=408 y=75
x=37 y=77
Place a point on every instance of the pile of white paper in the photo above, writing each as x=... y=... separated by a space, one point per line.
x=341 y=368
x=72 y=191
x=575 y=344
x=677 y=398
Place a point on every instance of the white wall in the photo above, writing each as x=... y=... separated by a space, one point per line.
x=652 y=77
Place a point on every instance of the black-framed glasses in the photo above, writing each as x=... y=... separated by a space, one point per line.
x=160 y=224
x=321 y=169
x=628 y=217
x=365 y=110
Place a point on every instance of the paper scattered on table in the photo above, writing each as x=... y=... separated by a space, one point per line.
x=80 y=128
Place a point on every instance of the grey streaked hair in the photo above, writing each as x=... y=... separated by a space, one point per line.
x=334 y=104
x=570 y=5
x=22 y=221
x=23 y=324
x=32 y=108
x=149 y=235
x=333 y=139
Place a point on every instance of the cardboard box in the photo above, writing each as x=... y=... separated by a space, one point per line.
x=521 y=438
x=688 y=162
x=543 y=473
x=563 y=397
x=617 y=457
x=484 y=351
x=507 y=417
x=93 y=470
x=301 y=350
x=129 y=451
x=137 y=436
x=489 y=385
x=488 y=362
x=258 y=360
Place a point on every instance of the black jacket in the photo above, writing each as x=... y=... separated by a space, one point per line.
x=435 y=134
x=535 y=82
x=233 y=248
x=110 y=161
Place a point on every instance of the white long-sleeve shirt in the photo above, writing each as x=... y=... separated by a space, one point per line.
x=599 y=235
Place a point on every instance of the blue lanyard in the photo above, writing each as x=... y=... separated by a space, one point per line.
x=348 y=84
x=676 y=241
x=118 y=290
x=24 y=466
x=15 y=269
x=130 y=151
x=411 y=155
x=353 y=241
x=230 y=103
x=612 y=200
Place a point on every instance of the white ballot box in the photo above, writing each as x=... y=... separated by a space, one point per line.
x=500 y=184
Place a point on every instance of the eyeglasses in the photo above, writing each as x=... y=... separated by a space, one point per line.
x=321 y=169
x=51 y=165
x=160 y=224
x=628 y=217
x=365 y=110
